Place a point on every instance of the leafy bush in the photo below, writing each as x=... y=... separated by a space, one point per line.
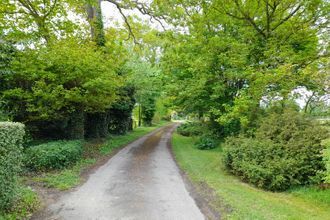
x=326 y=156
x=190 y=129
x=60 y=85
x=53 y=155
x=286 y=151
x=206 y=143
x=11 y=138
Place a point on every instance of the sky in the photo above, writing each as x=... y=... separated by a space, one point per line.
x=111 y=15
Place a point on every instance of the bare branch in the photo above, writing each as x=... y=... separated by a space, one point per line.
x=51 y=9
x=249 y=19
x=142 y=8
x=130 y=30
x=287 y=17
x=29 y=6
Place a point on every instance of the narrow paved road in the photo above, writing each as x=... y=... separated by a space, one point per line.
x=142 y=182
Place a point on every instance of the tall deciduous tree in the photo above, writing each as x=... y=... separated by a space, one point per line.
x=233 y=53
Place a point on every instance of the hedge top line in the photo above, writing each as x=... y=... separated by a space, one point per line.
x=11 y=133
x=4 y=124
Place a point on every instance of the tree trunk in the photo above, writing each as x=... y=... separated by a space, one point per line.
x=94 y=13
x=308 y=102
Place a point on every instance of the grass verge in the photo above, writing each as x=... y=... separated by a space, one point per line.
x=64 y=179
x=26 y=204
x=237 y=200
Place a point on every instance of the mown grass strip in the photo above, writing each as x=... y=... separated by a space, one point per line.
x=246 y=201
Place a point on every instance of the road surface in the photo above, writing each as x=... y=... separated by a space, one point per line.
x=141 y=181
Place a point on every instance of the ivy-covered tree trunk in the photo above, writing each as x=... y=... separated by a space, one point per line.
x=96 y=124
x=94 y=13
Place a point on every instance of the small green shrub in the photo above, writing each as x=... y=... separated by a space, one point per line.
x=11 y=138
x=53 y=155
x=190 y=129
x=206 y=143
x=286 y=151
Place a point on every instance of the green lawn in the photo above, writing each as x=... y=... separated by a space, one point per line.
x=70 y=177
x=237 y=200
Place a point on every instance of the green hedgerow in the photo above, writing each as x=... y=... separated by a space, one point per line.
x=11 y=138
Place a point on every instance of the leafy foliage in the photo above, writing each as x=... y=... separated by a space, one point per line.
x=191 y=129
x=53 y=155
x=286 y=152
x=120 y=120
x=11 y=139
x=59 y=81
x=326 y=156
x=238 y=53
x=56 y=84
x=148 y=111
x=206 y=142
x=145 y=78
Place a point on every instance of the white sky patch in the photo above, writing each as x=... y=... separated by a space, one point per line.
x=112 y=16
x=302 y=95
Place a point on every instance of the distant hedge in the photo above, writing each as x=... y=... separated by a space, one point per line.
x=191 y=129
x=11 y=139
x=286 y=152
x=53 y=155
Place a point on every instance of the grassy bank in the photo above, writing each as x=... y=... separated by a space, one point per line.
x=93 y=152
x=237 y=200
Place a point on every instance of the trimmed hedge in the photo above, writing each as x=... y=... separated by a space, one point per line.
x=53 y=155
x=286 y=152
x=11 y=139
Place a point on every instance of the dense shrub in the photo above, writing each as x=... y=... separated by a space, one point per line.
x=11 y=138
x=56 y=84
x=120 y=120
x=53 y=155
x=206 y=143
x=286 y=151
x=191 y=129
x=148 y=110
x=326 y=156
